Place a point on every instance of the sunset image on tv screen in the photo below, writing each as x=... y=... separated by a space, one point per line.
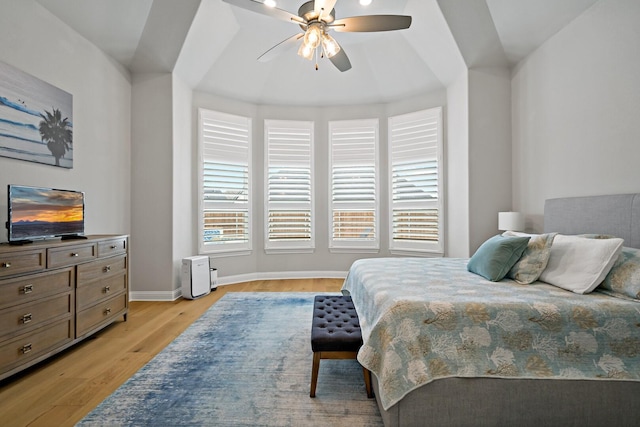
x=38 y=212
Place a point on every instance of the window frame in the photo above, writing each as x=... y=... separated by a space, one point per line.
x=356 y=245
x=235 y=247
x=414 y=246
x=302 y=245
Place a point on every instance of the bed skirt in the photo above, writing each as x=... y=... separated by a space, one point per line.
x=516 y=402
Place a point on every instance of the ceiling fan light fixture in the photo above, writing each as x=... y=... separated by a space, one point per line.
x=313 y=35
x=329 y=45
x=272 y=3
x=305 y=51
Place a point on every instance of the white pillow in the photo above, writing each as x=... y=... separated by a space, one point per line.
x=579 y=264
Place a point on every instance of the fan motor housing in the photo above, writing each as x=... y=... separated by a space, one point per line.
x=307 y=12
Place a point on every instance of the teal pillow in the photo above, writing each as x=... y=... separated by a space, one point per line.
x=495 y=257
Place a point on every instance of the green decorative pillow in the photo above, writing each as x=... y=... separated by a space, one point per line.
x=534 y=258
x=624 y=277
x=495 y=257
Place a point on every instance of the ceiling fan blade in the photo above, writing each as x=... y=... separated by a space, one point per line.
x=280 y=47
x=322 y=8
x=273 y=12
x=370 y=23
x=341 y=60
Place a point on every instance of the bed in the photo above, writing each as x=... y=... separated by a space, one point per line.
x=449 y=347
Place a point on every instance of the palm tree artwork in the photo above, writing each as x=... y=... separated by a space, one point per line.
x=56 y=132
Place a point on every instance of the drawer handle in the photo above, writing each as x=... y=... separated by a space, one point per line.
x=27 y=289
x=107 y=311
x=107 y=269
x=74 y=254
x=27 y=318
x=107 y=289
x=27 y=348
x=114 y=247
x=6 y=264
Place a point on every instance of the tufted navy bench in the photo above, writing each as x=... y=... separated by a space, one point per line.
x=335 y=334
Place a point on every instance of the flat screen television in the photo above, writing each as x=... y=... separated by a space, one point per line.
x=41 y=213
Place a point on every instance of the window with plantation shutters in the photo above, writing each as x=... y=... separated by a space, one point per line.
x=415 y=166
x=225 y=184
x=353 y=207
x=289 y=185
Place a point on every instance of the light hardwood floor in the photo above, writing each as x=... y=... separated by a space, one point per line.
x=63 y=389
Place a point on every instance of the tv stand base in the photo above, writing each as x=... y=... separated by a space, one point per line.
x=20 y=242
x=73 y=237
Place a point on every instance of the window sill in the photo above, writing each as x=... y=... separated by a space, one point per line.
x=354 y=250
x=230 y=253
x=274 y=251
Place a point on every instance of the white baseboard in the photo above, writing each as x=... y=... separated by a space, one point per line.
x=155 y=295
x=281 y=275
x=230 y=280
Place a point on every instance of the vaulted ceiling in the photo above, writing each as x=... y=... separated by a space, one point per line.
x=213 y=46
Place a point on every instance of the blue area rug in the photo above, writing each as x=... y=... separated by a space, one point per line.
x=245 y=362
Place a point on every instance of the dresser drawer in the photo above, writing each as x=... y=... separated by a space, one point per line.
x=102 y=313
x=112 y=247
x=100 y=269
x=25 y=317
x=21 y=262
x=70 y=255
x=100 y=290
x=25 y=289
x=24 y=348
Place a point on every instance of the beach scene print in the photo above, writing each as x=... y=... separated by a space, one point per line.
x=36 y=119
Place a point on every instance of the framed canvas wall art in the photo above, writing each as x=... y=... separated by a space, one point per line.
x=36 y=119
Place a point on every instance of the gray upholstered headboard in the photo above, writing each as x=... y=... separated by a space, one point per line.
x=617 y=215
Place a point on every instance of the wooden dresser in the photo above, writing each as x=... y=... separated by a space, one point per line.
x=55 y=293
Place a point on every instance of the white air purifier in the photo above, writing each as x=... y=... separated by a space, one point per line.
x=196 y=282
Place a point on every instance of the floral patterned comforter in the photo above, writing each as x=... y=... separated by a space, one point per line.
x=424 y=319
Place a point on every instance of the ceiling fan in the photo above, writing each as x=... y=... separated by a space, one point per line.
x=316 y=18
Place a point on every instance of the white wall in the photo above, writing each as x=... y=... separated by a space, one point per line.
x=152 y=228
x=163 y=156
x=575 y=105
x=184 y=159
x=457 y=160
x=33 y=40
x=489 y=151
x=478 y=158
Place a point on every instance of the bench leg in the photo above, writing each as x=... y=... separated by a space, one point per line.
x=367 y=382
x=314 y=373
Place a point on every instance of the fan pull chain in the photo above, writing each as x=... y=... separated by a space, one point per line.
x=316 y=59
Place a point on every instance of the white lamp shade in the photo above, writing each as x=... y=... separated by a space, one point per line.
x=513 y=221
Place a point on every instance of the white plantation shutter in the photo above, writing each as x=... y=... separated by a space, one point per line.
x=225 y=190
x=353 y=146
x=415 y=163
x=289 y=185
